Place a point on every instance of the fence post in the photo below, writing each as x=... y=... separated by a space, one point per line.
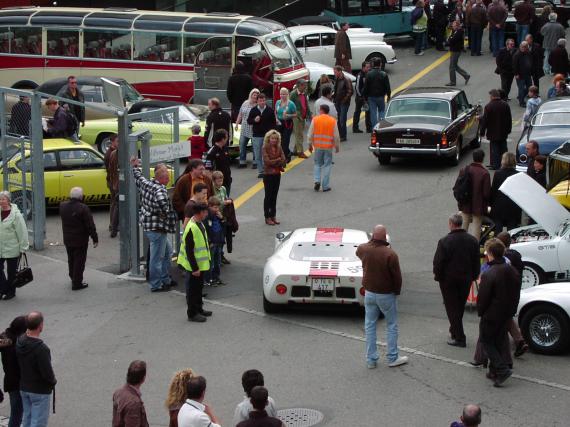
x=38 y=187
x=3 y=131
x=125 y=178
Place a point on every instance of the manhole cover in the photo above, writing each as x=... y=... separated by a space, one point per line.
x=300 y=417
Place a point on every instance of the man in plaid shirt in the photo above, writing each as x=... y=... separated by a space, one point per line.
x=157 y=219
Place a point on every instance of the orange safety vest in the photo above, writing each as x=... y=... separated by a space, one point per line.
x=323 y=131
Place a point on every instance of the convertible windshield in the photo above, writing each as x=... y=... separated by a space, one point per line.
x=552 y=119
x=130 y=94
x=419 y=107
x=282 y=52
x=312 y=251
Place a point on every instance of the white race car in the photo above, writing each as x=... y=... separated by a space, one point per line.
x=544 y=317
x=544 y=246
x=314 y=265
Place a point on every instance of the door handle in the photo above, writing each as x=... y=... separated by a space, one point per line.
x=68 y=176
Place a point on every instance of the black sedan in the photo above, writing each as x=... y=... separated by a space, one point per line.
x=436 y=122
x=550 y=127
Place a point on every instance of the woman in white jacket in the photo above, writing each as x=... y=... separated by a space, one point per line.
x=13 y=242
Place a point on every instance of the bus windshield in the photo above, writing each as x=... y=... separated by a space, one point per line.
x=282 y=51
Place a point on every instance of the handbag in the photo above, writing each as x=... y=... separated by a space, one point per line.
x=24 y=274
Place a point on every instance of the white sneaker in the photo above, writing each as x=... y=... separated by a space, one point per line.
x=402 y=360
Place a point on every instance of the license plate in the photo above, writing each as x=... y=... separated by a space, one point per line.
x=412 y=141
x=323 y=285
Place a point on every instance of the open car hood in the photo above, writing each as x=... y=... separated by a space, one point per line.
x=533 y=199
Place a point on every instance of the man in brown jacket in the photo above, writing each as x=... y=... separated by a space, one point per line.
x=342 y=49
x=128 y=407
x=184 y=188
x=112 y=168
x=382 y=281
x=474 y=210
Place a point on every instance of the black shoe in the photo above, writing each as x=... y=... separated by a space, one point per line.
x=368 y=130
x=242 y=166
x=343 y=139
x=456 y=343
x=114 y=234
x=500 y=379
x=260 y=176
x=160 y=289
x=79 y=287
x=7 y=297
x=450 y=84
x=357 y=131
x=225 y=260
x=479 y=364
x=204 y=295
x=326 y=189
x=206 y=313
x=317 y=186
x=197 y=318
x=522 y=105
x=522 y=348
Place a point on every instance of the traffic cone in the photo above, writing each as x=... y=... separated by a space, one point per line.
x=472 y=297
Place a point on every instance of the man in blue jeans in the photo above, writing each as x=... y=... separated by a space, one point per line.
x=37 y=380
x=342 y=96
x=382 y=281
x=376 y=88
x=323 y=136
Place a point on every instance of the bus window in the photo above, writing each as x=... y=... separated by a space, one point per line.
x=257 y=63
x=5 y=37
x=20 y=40
x=106 y=44
x=334 y=5
x=157 y=47
x=63 y=43
x=192 y=45
x=354 y=7
x=216 y=52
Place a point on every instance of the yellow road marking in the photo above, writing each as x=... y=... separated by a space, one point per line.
x=256 y=188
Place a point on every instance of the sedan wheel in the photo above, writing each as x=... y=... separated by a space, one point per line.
x=454 y=161
x=546 y=329
x=531 y=276
x=104 y=143
x=384 y=159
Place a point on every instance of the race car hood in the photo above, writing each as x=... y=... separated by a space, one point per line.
x=533 y=199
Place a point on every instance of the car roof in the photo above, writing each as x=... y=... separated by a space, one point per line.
x=428 y=92
x=303 y=30
x=54 y=85
x=51 y=144
x=555 y=105
x=137 y=107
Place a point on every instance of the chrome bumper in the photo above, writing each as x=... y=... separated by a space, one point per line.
x=438 y=151
x=521 y=168
x=392 y=61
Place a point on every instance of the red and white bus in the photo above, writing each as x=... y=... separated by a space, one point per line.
x=186 y=57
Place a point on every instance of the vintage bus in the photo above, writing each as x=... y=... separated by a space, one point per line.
x=186 y=57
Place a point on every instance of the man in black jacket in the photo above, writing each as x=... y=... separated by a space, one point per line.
x=376 y=88
x=217 y=158
x=537 y=54
x=78 y=226
x=496 y=124
x=455 y=41
x=440 y=15
x=37 y=380
x=72 y=92
x=239 y=85
x=522 y=68
x=360 y=101
x=497 y=301
x=456 y=264
x=504 y=68
x=504 y=211
x=262 y=119
x=217 y=119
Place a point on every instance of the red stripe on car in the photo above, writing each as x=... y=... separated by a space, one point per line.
x=329 y=235
x=317 y=272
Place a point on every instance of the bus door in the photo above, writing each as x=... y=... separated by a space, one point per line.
x=213 y=69
x=257 y=62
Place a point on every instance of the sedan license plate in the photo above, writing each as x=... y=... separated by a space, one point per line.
x=323 y=285
x=412 y=141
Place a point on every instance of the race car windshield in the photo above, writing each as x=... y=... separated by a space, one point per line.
x=315 y=251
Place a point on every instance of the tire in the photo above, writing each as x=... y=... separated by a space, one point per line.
x=103 y=142
x=546 y=329
x=377 y=55
x=18 y=199
x=454 y=161
x=384 y=159
x=25 y=84
x=532 y=276
x=269 y=307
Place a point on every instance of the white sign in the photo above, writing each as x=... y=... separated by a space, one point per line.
x=167 y=152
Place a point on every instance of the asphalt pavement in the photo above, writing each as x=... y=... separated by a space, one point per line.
x=310 y=358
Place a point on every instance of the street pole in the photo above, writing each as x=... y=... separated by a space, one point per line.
x=38 y=187
x=125 y=177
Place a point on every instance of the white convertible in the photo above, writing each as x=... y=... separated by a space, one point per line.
x=315 y=73
x=544 y=246
x=315 y=43
x=314 y=265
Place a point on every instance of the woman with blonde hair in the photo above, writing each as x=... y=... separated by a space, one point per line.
x=274 y=163
x=177 y=394
x=246 y=129
x=285 y=112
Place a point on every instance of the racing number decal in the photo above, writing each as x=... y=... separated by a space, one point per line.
x=355 y=269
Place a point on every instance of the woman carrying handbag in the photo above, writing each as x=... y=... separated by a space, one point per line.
x=13 y=242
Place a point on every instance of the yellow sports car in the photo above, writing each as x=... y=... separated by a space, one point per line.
x=66 y=165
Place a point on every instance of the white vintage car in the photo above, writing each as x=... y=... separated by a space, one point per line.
x=544 y=246
x=314 y=265
x=315 y=73
x=315 y=43
x=544 y=317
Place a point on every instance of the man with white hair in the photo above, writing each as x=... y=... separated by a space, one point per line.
x=78 y=226
x=551 y=32
x=558 y=59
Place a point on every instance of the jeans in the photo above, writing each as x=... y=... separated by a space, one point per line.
x=476 y=37
x=194 y=286
x=373 y=305
x=523 y=84
x=16 y=409
x=257 y=142
x=323 y=167
x=522 y=31
x=6 y=283
x=420 y=40
x=243 y=140
x=497 y=39
x=299 y=132
x=546 y=65
x=476 y=220
x=454 y=67
x=216 y=250
x=497 y=148
x=271 y=184
x=377 y=109
x=76 y=257
x=359 y=102
x=342 y=110
x=36 y=409
x=455 y=293
x=286 y=132
x=159 y=262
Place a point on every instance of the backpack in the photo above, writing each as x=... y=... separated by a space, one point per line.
x=462 y=190
x=72 y=124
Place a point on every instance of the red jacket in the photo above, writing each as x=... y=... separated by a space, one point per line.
x=480 y=190
x=198 y=146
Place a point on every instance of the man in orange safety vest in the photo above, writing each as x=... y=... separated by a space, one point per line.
x=323 y=137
